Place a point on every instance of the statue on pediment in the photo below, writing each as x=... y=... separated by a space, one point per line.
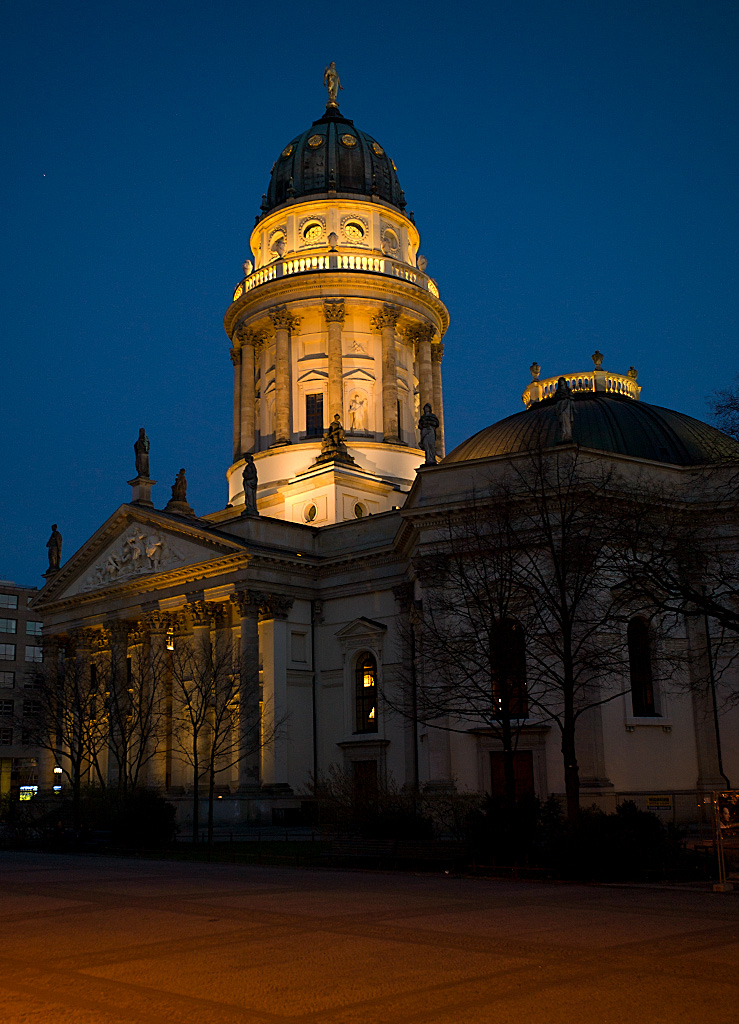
x=54 y=544
x=250 y=479
x=179 y=487
x=428 y=424
x=141 y=450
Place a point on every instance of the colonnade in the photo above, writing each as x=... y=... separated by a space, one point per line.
x=251 y=342
x=222 y=644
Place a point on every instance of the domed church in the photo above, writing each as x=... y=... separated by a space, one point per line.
x=314 y=572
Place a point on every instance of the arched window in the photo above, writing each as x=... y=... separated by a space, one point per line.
x=365 y=690
x=640 y=669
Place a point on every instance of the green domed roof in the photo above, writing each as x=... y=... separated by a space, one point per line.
x=333 y=156
x=608 y=423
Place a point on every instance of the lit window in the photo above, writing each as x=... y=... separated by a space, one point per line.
x=7 y=652
x=170 y=639
x=8 y=600
x=8 y=626
x=28 y=792
x=509 y=684
x=366 y=693
x=354 y=231
x=34 y=628
x=35 y=654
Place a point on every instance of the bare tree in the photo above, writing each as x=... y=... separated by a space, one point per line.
x=527 y=564
x=67 y=717
x=466 y=633
x=725 y=407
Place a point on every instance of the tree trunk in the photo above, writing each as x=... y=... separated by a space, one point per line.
x=572 y=773
x=195 y=791
x=211 y=800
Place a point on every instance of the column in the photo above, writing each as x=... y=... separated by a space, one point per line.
x=250 y=341
x=236 y=360
x=273 y=614
x=246 y=603
x=423 y=334
x=200 y=619
x=155 y=651
x=118 y=704
x=385 y=322
x=284 y=322
x=437 y=354
x=334 y=313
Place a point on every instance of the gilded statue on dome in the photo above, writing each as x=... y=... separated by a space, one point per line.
x=333 y=83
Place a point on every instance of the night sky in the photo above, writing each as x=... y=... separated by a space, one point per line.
x=572 y=165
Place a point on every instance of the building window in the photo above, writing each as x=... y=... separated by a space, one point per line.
x=35 y=654
x=7 y=652
x=31 y=709
x=9 y=600
x=510 y=689
x=366 y=693
x=6 y=736
x=364 y=783
x=6 y=708
x=7 y=679
x=8 y=625
x=640 y=669
x=314 y=415
x=34 y=628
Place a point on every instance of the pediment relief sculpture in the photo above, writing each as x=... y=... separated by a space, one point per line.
x=140 y=551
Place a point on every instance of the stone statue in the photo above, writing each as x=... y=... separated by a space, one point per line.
x=335 y=435
x=179 y=487
x=54 y=544
x=358 y=412
x=249 y=477
x=428 y=425
x=141 y=450
x=333 y=83
x=564 y=406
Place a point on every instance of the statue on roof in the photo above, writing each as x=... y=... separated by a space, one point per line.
x=428 y=424
x=54 y=544
x=564 y=406
x=333 y=83
x=141 y=449
x=179 y=487
x=250 y=480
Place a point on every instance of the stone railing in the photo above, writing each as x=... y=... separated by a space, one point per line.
x=600 y=381
x=366 y=264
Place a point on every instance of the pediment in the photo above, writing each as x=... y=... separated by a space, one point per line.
x=361 y=627
x=140 y=547
x=317 y=376
x=358 y=373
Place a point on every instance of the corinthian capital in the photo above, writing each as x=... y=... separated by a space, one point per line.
x=235 y=356
x=416 y=332
x=249 y=335
x=200 y=613
x=437 y=353
x=274 y=606
x=283 y=319
x=387 y=317
x=334 y=311
x=247 y=602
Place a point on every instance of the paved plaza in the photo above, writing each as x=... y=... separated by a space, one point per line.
x=102 y=941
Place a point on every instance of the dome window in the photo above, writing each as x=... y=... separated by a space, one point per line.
x=349 y=141
x=315 y=141
x=354 y=231
x=378 y=150
x=312 y=231
x=287 y=150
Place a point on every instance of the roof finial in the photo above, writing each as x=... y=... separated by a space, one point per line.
x=333 y=83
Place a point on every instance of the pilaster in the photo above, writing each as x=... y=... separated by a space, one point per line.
x=385 y=322
x=334 y=313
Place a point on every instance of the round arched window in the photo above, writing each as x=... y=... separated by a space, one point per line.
x=310 y=513
x=354 y=231
x=359 y=510
x=312 y=231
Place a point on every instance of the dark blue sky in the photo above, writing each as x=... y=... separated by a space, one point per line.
x=572 y=166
